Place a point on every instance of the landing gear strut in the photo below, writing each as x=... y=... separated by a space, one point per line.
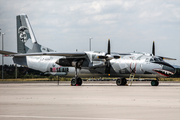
x=155 y=82
x=76 y=81
x=121 y=81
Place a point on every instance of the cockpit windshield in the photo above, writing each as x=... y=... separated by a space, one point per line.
x=156 y=60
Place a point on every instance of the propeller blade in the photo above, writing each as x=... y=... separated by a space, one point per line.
x=109 y=47
x=153 y=48
x=153 y=52
x=107 y=68
x=167 y=58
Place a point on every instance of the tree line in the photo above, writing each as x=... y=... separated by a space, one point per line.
x=9 y=72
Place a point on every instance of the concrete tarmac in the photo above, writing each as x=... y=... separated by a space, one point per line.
x=91 y=101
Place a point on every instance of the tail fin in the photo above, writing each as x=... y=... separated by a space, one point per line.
x=26 y=40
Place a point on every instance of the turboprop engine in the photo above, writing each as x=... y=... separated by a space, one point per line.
x=70 y=62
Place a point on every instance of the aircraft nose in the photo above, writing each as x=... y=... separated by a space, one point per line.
x=167 y=69
x=170 y=70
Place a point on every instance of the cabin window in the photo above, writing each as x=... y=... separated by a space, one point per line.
x=156 y=59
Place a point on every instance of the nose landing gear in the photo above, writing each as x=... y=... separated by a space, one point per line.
x=155 y=82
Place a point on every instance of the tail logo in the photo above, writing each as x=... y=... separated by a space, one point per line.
x=22 y=33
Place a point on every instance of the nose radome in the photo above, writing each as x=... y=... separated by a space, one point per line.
x=167 y=69
x=170 y=69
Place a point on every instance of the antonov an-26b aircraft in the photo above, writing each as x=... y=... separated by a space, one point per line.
x=88 y=63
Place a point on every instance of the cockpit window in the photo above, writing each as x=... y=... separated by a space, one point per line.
x=160 y=59
x=151 y=60
x=156 y=59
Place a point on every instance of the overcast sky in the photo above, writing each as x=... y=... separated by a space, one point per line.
x=67 y=25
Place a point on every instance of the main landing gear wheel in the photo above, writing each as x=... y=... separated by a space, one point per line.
x=155 y=82
x=73 y=82
x=76 y=83
x=121 y=81
x=79 y=81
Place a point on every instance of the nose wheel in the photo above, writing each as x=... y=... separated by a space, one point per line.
x=155 y=82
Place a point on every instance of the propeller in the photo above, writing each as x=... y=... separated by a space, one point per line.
x=108 y=57
x=153 y=53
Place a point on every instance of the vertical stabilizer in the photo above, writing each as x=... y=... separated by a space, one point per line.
x=26 y=40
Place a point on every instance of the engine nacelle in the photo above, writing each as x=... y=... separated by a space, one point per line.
x=64 y=62
x=70 y=62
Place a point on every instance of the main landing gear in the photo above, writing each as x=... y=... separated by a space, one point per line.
x=76 y=81
x=155 y=82
x=121 y=81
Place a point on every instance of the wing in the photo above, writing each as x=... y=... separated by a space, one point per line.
x=75 y=54
x=50 y=54
x=7 y=52
x=53 y=54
